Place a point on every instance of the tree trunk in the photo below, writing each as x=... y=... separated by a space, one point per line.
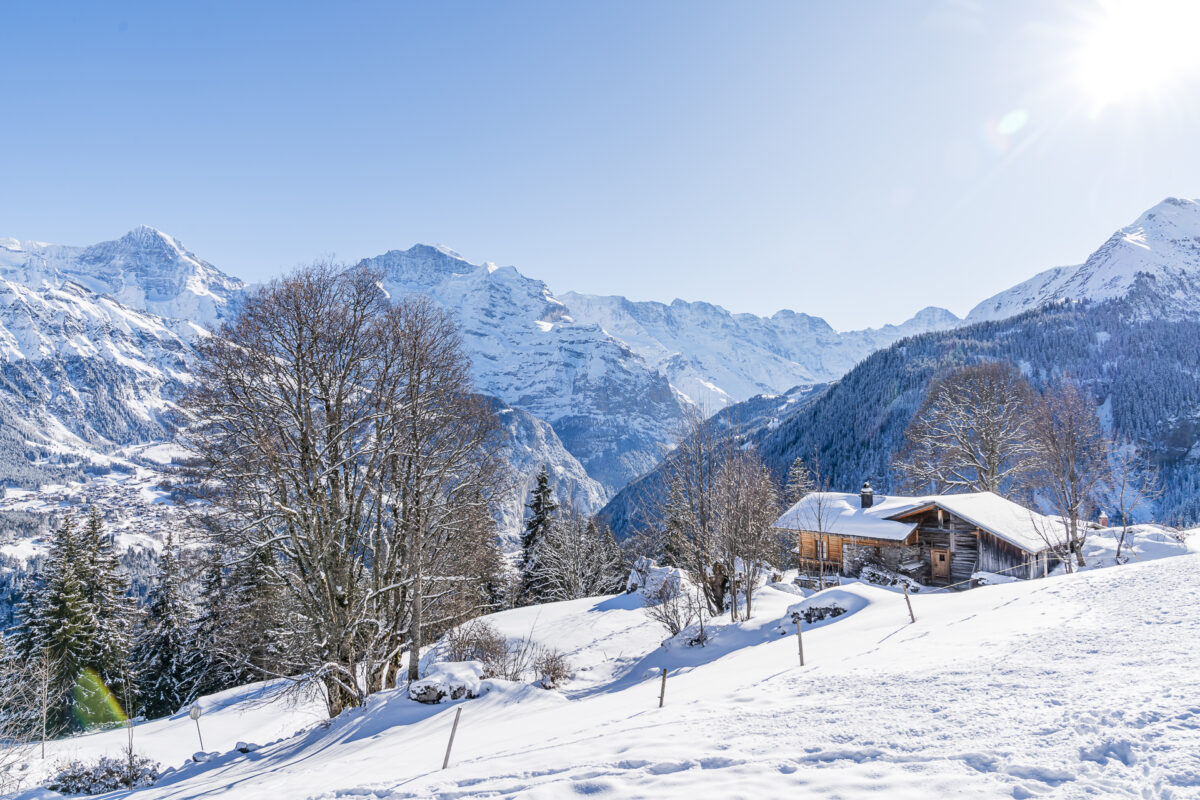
x=414 y=649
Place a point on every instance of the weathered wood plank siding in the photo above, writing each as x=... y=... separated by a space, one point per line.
x=997 y=555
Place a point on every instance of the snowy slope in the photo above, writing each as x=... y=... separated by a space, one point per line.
x=717 y=358
x=1063 y=687
x=1155 y=263
x=83 y=373
x=613 y=412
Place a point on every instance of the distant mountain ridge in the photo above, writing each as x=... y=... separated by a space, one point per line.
x=95 y=346
x=717 y=358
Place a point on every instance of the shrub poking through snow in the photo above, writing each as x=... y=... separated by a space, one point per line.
x=818 y=613
x=553 y=667
x=105 y=775
x=475 y=641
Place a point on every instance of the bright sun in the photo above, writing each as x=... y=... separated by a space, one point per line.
x=1136 y=50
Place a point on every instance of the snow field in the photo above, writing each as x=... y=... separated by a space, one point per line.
x=1073 y=686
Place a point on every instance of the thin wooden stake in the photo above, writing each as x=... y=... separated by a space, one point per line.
x=907 y=600
x=799 y=638
x=453 y=730
x=662 y=693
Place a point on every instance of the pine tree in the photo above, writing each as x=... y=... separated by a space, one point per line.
x=160 y=654
x=541 y=507
x=59 y=625
x=208 y=668
x=800 y=482
x=107 y=592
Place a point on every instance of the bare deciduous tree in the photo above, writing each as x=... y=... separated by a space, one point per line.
x=970 y=434
x=1130 y=484
x=336 y=434
x=745 y=504
x=577 y=558
x=692 y=543
x=1069 y=451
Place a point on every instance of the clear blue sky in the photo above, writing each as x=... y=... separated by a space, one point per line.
x=852 y=160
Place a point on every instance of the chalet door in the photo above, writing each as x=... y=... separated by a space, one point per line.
x=941 y=562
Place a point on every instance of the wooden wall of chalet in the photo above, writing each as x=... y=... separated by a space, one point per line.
x=841 y=551
x=808 y=547
x=997 y=555
x=947 y=531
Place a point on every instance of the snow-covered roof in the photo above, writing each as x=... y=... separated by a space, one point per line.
x=1003 y=518
x=842 y=513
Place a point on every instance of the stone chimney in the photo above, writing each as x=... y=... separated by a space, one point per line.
x=1103 y=519
x=867 y=495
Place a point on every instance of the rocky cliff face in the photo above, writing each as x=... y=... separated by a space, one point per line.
x=612 y=411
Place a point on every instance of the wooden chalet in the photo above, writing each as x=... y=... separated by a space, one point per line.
x=938 y=540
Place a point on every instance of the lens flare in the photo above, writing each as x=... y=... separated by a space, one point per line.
x=95 y=704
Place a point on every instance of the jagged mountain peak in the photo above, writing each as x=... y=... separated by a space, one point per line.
x=146 y=270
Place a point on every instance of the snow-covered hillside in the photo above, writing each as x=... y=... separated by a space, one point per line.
x=717 y=358
x=1073 y=686
x=1155 y=262
x=83 y=374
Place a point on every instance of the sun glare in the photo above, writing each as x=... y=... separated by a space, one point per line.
x=1136 y=50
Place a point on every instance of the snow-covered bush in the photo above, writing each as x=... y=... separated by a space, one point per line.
x=672 y=607
x=105 y=775
x=448 y=681
x=817 y=613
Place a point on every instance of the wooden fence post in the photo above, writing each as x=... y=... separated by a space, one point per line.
x=799 y=636
x=662 y=693
x=453 y=730
x=909 y=602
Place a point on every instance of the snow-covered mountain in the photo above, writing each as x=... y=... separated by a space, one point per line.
x=717 y=358
x=82 y=374
x=145 y=269
x=90 y=367
x=1153 y=263
x=612 y=411
x=529 y=444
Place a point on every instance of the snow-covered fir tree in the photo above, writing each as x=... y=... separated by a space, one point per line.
x=541 y=507
x=107 y=591
x=160 y=654
x=60 y=625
